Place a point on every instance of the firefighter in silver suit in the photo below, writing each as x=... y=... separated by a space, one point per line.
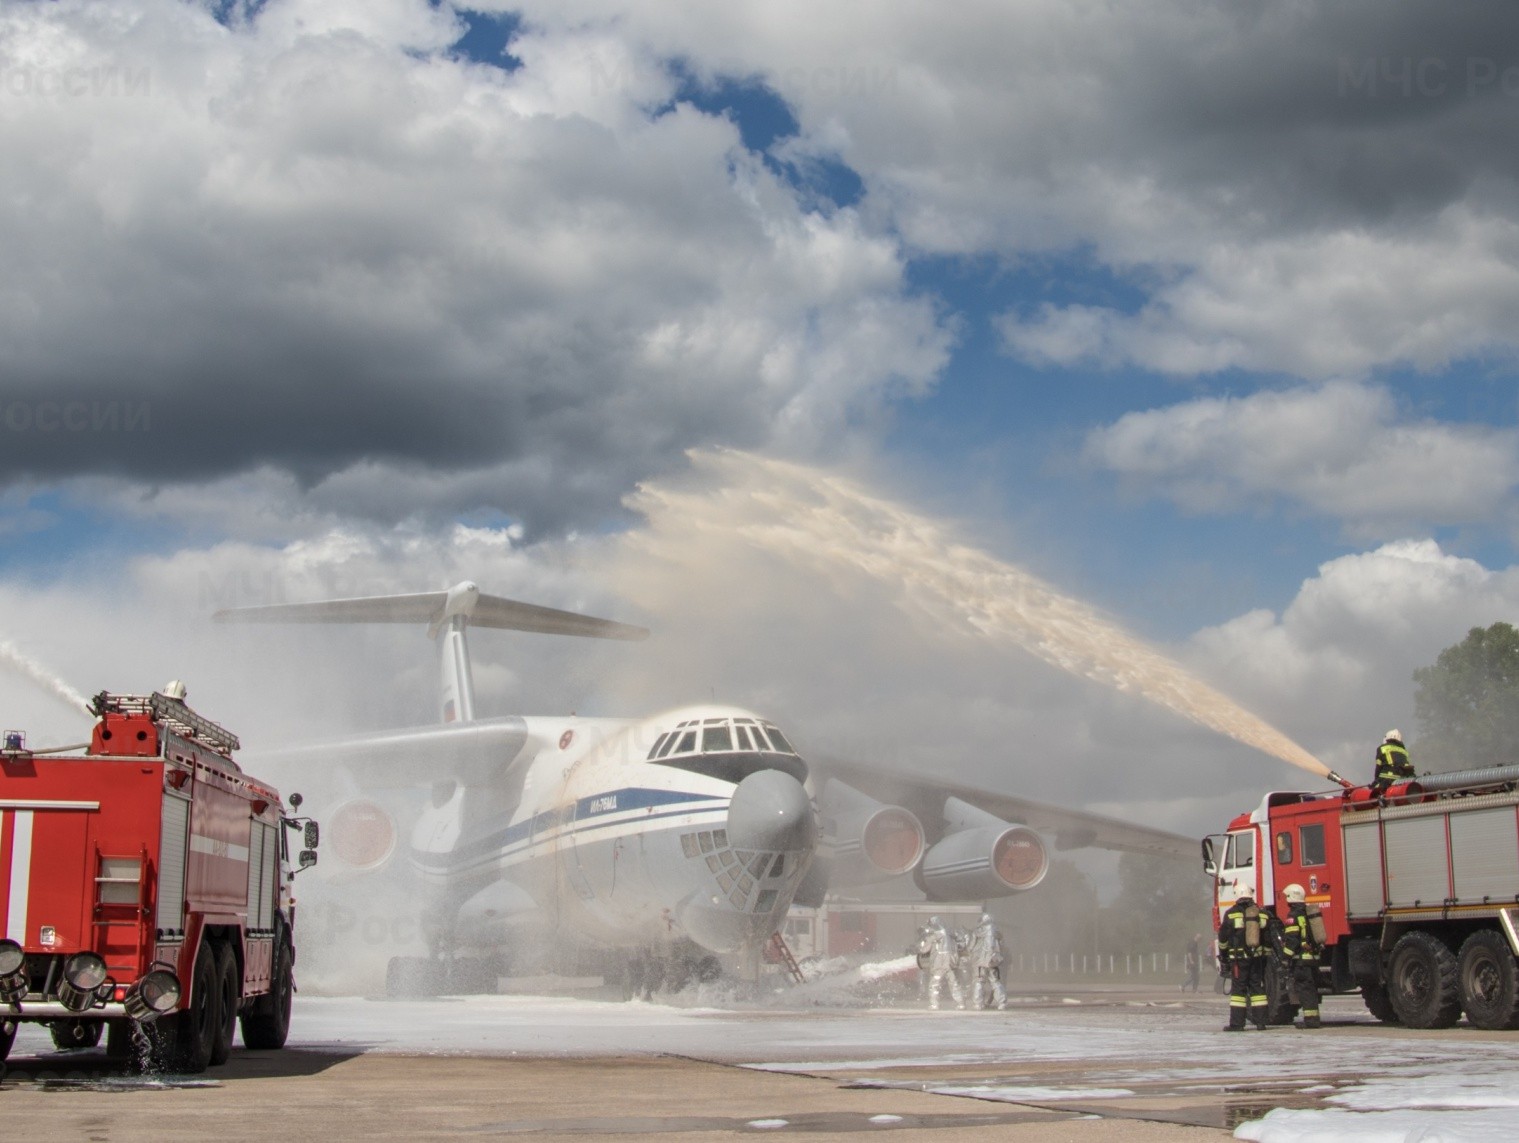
x=986 y=957
x=943 y=960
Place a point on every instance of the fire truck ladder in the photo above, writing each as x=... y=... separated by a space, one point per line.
x=782 y=953
x=170 y=712
x=121 y=906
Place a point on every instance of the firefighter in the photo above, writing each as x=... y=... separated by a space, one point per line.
x=1244 y=941
x=1393 y=764
x=1301 y=946
x=986 y=958
x=943 y=960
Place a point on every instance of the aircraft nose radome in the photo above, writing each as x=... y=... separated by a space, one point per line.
x=770 y=811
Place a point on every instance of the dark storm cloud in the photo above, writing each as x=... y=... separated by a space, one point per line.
x=1324 y=114
x=319 y=242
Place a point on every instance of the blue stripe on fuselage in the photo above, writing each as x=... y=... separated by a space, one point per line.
x=586 y=810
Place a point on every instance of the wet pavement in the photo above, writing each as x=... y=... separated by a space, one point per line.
x=1087 y=1065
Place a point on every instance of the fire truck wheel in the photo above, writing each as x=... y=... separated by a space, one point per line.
x=7 y=1037
x=229 y=991
x=1489 y=981
x=183 y=1042
x=71 y=1034
x=266 y=1022
x=1378 y=1003
x=1422 y=981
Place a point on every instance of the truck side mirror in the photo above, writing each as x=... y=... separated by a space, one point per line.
x=1210 y=867
x=311 y=836
x=295 y=801
x=307 y=858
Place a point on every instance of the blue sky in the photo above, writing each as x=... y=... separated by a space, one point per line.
x=1160 y=309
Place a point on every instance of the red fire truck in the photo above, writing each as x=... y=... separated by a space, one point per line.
x=1418 y=889
x=145 y=889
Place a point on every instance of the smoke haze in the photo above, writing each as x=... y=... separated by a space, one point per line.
x=832 y=528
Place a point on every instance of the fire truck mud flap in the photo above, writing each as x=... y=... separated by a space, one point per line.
x=184 y=1042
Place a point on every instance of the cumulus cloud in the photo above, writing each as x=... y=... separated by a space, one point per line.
x=1314 y=188
x=318 y=241
x=1344 y=450
x=1336 y=665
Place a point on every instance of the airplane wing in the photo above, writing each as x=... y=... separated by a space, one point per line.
x=1068 y=829
x=469 y=752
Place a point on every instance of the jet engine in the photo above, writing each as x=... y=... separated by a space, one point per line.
x=361 y=833
x=866 y=841
x=981 y=857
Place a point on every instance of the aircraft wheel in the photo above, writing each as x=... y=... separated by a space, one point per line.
x=414 y=977
x=1489 y=981
x=266 y=1022
x=472 y=976
x=708 y=969
x=229 y=991
x=1423 y=982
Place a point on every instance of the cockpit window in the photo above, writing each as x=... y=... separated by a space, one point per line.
x=779 y=740
x=728 y=749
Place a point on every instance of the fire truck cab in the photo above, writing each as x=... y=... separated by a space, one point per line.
x=145 y=889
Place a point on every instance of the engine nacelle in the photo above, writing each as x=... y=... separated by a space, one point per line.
x=360 y=833
x=866 y=841
x=983 y=858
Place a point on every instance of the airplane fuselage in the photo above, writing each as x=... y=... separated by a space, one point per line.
x=692 y=824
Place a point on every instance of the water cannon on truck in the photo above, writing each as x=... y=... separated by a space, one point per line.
x=1417 y=887
x=145 y=888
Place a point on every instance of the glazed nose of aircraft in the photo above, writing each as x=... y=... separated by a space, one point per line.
x=770 y=812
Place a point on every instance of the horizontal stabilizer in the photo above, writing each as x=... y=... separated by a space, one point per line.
x=433 y=608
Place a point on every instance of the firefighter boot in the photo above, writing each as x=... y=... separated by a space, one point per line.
x=1312 y=1021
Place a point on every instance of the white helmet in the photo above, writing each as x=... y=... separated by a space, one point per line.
x=1394 y=736
x=1294 y=894
x=175 y=689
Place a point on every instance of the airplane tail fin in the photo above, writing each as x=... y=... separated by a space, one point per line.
x=447 y=613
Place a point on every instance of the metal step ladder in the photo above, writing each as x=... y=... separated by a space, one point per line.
x=121 y=908
x=782 y=954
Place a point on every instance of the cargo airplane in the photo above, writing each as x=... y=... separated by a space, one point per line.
x=664 y=840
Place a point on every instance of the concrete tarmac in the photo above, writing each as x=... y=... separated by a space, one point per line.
x=311 y=1095
x=1085 y=1065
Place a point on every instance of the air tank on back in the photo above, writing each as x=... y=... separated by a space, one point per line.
x=981 y=857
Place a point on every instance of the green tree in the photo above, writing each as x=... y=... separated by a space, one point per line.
x=1055 y=917
x=1161 y=902
x=1467 y=703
